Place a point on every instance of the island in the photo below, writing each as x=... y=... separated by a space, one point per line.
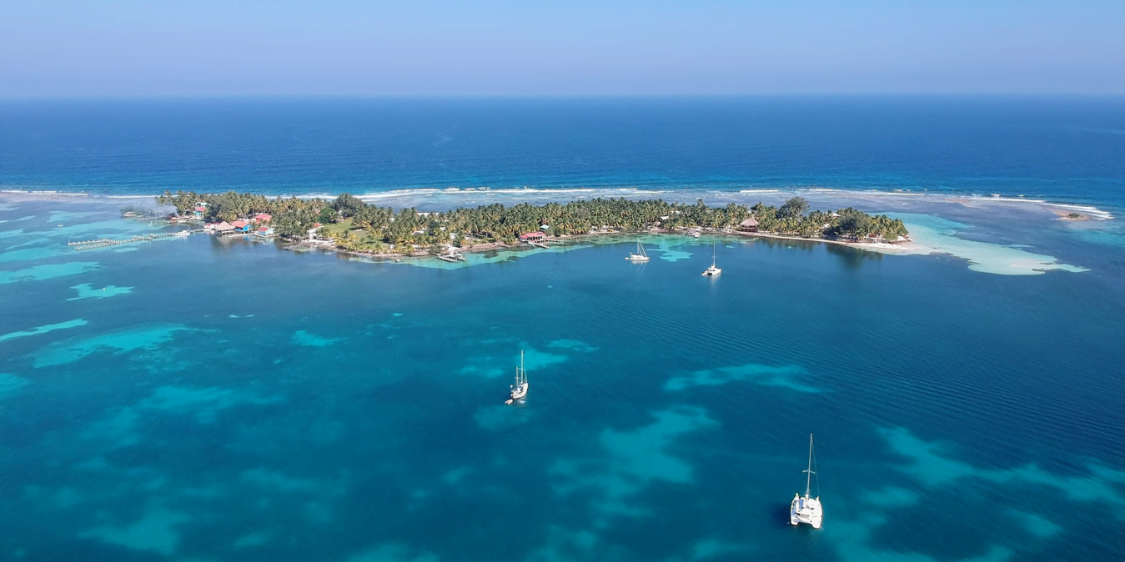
x=349 y=224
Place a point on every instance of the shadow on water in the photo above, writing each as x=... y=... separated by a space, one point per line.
x=779 y=515
x=772 y=243
x=851 y=257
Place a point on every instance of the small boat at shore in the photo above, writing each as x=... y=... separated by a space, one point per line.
x=807 y=509
x=519 y=389
x=641 y=256
x=712 y=271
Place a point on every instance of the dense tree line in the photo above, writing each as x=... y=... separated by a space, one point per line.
x=371 y=228
x=848 y=224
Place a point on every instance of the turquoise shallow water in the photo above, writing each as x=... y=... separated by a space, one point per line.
x=232 y=401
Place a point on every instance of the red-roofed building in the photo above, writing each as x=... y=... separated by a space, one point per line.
x=529 y=236
x=241 y=225
x=263 y=217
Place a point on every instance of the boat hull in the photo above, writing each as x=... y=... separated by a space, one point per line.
x=806 y=510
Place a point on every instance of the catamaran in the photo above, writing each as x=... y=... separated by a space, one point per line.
x=519 y=389
x=807 y=509
x=713 y=271
x=641 y=256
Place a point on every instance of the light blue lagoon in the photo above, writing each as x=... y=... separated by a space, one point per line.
x=239 y=402
x=234 y=401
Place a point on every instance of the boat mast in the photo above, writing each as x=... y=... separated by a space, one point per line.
x=808 y=480
x=713 y=254
x=523 y=372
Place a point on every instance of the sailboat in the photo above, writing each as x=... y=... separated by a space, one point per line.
x=807 y=509
x=713 y=271
x=641 y=256
x=519 y=389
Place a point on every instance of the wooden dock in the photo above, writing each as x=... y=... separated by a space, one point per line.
x=107 y=242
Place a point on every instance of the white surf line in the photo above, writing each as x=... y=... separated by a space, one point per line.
x=1095 y=212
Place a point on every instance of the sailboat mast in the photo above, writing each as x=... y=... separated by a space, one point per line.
x=808 y=480
x=523 y=372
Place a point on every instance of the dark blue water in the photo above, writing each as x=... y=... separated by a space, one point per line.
x=227 y=400
x=206 y=399
x=1063 y=148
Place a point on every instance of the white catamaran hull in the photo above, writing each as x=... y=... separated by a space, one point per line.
x=640 y=257
x=714 y=270
x=519 y=389
x=806 y=510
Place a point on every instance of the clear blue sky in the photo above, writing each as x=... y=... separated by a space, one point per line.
x=529 y=47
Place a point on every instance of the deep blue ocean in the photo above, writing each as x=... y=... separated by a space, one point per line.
x=1070 y=148
x=200 y=399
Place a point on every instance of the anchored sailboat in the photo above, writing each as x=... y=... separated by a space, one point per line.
x=641 y=256
x=713 y=271
x=807 y=509
x=519 y=389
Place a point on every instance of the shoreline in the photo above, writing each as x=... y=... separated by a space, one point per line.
x=906 y=247
x=563 y=194
x=981 y=256
x=932 y=237
x=1071 y=213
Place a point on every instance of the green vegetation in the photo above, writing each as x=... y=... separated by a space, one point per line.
x=357 y=226
x=338 y=228
x=844 y=224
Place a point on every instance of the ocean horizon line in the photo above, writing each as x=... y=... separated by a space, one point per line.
x=1085 y=96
